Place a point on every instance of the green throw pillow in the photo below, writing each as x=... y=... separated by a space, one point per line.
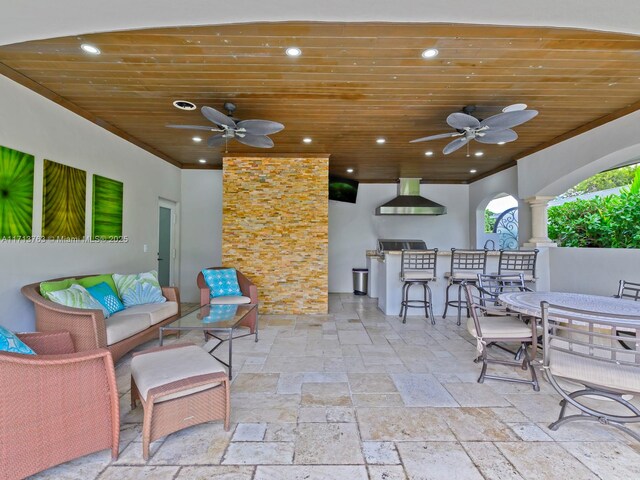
x=47 y=287
x=87 y=282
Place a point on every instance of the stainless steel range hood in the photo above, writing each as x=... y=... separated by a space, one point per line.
x=409 y=201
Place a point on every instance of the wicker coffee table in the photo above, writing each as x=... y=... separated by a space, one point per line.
x=214 y=321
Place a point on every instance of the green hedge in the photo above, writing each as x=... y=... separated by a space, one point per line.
x=601 y=222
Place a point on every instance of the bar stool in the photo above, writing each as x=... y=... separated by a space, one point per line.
x=518 y=261
x=418 y=268
x=465 y=267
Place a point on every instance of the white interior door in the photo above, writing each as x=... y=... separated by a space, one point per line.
x=167 y=221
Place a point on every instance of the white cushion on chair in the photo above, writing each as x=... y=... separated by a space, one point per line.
x=462 y=275
x=418 y=275
x=230 y=300
x=500 y=328
x=155 y=369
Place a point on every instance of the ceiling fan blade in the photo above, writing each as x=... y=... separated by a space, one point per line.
x=193 y=127
x=436 y=137
x=502 y=121
x=217 y=117
x=260 y=141
x=462 y=121
x=260 y=127
x=455 y=145
x=216 y=140
x=492 y=136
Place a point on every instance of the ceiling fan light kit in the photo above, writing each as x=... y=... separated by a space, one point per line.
x=493 y=130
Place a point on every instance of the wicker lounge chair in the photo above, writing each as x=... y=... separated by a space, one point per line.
x=56 y=406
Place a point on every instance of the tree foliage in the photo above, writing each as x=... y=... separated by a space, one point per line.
x=489 y=221
x=619 y=177
x=601 y=222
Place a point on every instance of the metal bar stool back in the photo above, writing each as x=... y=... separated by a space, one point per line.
x=418 y=267
x=519 y=261
x=465 y=267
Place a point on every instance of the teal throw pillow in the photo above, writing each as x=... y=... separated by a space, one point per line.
x=222 y=282
x=220 y=313
x=10 y=343
x=103 y=293
x=139 y=288
x=77 y=296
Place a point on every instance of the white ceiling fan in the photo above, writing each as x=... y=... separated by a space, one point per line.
x=492 y=130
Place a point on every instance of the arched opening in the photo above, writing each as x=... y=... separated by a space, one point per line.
x=500 y=223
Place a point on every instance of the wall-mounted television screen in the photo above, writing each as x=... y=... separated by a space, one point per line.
x=342 y=189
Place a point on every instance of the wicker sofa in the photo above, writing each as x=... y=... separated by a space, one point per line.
x=119 y=334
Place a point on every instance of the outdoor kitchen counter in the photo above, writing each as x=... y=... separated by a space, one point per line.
x=385 y=284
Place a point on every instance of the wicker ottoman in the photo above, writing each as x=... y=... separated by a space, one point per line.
x=178 y=386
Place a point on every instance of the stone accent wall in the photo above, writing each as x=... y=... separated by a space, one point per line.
x=275 y=229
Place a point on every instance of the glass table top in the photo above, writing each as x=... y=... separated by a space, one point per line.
x=213 y=317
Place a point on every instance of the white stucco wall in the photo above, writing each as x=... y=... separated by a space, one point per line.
x=201 y=232
x=34 y=125
x=592 y=270
x=30 y=19
x=354 y=228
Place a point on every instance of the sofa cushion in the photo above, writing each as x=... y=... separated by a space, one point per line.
x=48 y=287
x=124 y=324
x=155 y=369
x=87 y=282
x=139 y=289
x=156 y=312
x=222 y=282
x=10 y=343
x=107 y=297
x=78 y=297
x=230 y=300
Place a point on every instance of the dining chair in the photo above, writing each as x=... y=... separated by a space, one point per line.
x=582 y=347
x=509 y=328
x=418 y=267
x=628 y=291
x=465 y=266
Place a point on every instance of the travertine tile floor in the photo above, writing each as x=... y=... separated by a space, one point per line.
x=355 y=395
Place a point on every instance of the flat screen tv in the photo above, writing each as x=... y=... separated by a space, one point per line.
x=342 y=189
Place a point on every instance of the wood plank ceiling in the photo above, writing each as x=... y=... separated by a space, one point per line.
x=352 y=84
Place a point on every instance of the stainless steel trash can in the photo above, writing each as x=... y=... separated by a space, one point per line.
x=360 y=281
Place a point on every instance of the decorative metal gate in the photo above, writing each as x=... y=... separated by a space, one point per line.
x=506 y=227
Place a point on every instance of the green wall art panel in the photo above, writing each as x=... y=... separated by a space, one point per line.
x=63 y=201
x=16 y=193
x=107 y=208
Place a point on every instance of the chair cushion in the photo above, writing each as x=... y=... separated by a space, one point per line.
x=125 y=324
x=151 y=370
x=528 y=277
x=230 y=300
x=156 y=312
x=417 y=275
x=107 y=297
x=470 y=275
x=500 y=328
x=10 y=343
x=222 y=282
x=139 y=289
x=78 y=297
x=593 y=372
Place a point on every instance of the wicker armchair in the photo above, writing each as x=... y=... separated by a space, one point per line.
x=56 y=406
x=247 y=288
x=87 y=327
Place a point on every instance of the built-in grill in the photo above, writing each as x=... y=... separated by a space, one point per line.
x=389 y=245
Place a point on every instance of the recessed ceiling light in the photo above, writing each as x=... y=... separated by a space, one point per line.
x=428 y=153
x=430 y=53
x=501 y=143
x=202 y=160
x=381 y=140
x=307 y=140
x=349 y=170
x=184 y=105
x=473 y=170
x=515 y=107
x=92 y=49
x=293 y=52
x=478 y=154
x=196 y=139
